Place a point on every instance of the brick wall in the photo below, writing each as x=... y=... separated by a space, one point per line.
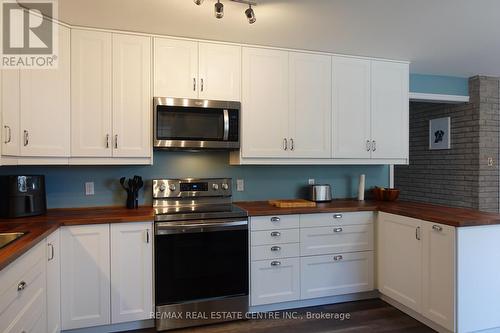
x=461 y=175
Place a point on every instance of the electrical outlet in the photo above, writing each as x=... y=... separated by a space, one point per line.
x=240 y=185
x=311 y=181
x=490 y=161
x=89 y=188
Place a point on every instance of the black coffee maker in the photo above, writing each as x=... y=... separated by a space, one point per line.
x=22 y=196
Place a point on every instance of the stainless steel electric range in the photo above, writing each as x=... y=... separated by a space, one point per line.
x=201 y=253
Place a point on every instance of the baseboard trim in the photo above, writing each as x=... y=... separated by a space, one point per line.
x=133 y=325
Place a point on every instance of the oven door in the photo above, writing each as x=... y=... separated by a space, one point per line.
x=200 y=260
x=195 y=124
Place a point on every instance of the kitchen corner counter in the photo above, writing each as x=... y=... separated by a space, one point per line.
x=39 y=227
x=455 y=217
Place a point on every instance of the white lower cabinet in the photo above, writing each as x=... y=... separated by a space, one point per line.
x=336 y=274
x=85 y=276
x=54 y=282
x=106 y=274
x=131 y=271
x=275 y=281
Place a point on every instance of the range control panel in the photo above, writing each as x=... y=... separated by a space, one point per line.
x=191 y=187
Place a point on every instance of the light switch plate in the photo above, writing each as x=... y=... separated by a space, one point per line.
x=89 y=188
x=240 y=185
x=311 y=181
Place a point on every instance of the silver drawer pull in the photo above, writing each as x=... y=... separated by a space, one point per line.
x=337 y=258
x=337 y=216
x=21 y=286
x=275 y=219
x=51 y=251
x=337 y=230
x=437 y=227
x=275 y=248
x=275 y=263
x=275 y=234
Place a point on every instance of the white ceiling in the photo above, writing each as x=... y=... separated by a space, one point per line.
x=447 y=37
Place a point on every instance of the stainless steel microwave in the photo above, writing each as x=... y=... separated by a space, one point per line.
x=181 y=123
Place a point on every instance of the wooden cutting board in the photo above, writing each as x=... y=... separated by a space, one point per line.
x=292 y=203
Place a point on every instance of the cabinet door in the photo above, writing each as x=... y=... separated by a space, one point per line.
x=438 y=300
x=91 y=113
x=310 y=90
x=131 y=96
x=45 y=106
x=132 y=272
x=400 y=259
x=351 y=107
x=54 y=282
x=10 y=112
x=338 y=274
x=390 y=103
x=264 y=111
x=275 y=281
x=85 y=276
x=176 y=68
x=220 y=72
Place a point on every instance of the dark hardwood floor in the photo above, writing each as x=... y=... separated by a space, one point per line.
x=365 y=316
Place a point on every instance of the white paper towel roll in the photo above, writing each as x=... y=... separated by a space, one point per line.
x=361 y=188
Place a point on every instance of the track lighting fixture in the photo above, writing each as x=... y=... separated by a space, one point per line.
x=219 y=9
x=250 y=14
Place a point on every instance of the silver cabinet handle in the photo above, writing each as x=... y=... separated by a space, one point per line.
x=9 y=136
x=21 y=286
x=275 y=234
x=147 y=236
x=285 y=144
x=26 y=138
x=368 y=145
x=292 y=145
x=337 y=230
x=275 y=248
x=275 y=263
x=202 y=85
x=337 y=258
x=374 y=145
x=417 y=233
x=107 y=140
x=275 y=219
x=437 y=228
x=194 y=84
x=116 y=141
x=337 y=216
x=51 y=257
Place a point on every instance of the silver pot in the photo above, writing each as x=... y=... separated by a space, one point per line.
x=320 y=193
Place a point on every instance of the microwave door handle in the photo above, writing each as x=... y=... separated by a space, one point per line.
x=226 y=125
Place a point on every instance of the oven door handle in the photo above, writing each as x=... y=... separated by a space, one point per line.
x=226 y=125
x=170 y=228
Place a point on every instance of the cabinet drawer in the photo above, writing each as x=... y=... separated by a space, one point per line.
x=280 y=236
x=325 y=240
x=31 y=318
x=275 y=281
x=338 y=274
x=329 y=219
x=264 y=252
x=274 y=222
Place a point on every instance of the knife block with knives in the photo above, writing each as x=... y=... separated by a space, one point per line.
x=132 y=186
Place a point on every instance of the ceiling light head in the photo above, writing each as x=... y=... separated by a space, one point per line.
x=219 y=9
x=250 y=14
x=198 y=2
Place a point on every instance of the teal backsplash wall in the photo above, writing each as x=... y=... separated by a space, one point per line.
x=65 y=185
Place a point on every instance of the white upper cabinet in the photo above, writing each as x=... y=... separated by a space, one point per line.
x=45 y=106
x=351 y=107
x=264 y=114
x=310 y=91
x=10 y=112
x=390 y=104
x=176 y=68
x=91 y=90
x=219 y=72
x=131 y=96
